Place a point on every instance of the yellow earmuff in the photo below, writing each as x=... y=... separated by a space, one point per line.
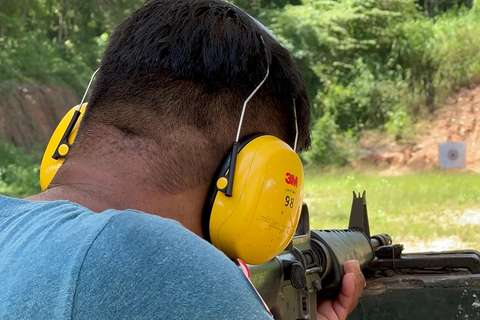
x=59 y=145
x=260 y=218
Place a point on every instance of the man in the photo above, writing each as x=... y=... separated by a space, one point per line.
x=163 y=113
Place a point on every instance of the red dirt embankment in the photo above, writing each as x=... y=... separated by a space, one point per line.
x=30 y=113
x=457 y=120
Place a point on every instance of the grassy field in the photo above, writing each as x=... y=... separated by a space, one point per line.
x=425 y=211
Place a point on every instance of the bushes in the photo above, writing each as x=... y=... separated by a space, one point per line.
x=19 y=172
x=456 y=49
x=331 y=146
x=437 y=55
x=376 y=64
x=56 y=41
x=346 y=46
x=367 y=63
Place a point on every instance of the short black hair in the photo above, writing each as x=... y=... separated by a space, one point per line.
x=193 y=63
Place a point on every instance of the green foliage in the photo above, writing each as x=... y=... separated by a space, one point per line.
x=399 y=122
x=56 y=41
x=330 y=147
x=344 y=49
x=375 y=64
x=256 y=6
x=368 y=64
x=19 y=172
x=457 y=50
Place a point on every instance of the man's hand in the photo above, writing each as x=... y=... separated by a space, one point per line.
x=352 y=286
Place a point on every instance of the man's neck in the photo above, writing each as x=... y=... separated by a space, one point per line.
x=103 y=186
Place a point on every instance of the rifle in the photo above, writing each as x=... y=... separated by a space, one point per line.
x=311 y=268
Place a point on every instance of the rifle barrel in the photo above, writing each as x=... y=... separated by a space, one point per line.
x=379 y=240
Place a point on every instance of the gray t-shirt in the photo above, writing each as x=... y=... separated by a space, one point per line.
x=59 y=260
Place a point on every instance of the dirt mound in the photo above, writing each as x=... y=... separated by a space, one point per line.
x=456 y=121
x=30 y=113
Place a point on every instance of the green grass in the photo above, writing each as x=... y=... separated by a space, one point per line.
x=417 y=209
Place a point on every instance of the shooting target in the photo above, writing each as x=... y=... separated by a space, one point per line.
x=452 y=154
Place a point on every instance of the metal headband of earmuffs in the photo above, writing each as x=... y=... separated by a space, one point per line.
x=64 y=144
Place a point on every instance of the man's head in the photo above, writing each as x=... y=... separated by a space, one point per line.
x=171 y=87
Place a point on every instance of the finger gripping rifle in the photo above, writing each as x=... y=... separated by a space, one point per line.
x=311 y=267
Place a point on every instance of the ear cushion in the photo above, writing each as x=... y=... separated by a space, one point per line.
x=50 y=165
x=261 y=217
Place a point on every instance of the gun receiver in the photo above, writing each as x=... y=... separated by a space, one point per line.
x=312 y=265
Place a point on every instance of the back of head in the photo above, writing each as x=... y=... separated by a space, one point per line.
x=172 y=83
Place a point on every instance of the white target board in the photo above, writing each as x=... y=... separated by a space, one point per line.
x=452 y=154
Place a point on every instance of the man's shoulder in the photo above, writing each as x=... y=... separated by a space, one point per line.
x=43 y=245
x=136 y=231
x=143 y=266
x=116 y=264
x=64 y=219
x=130 y=235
